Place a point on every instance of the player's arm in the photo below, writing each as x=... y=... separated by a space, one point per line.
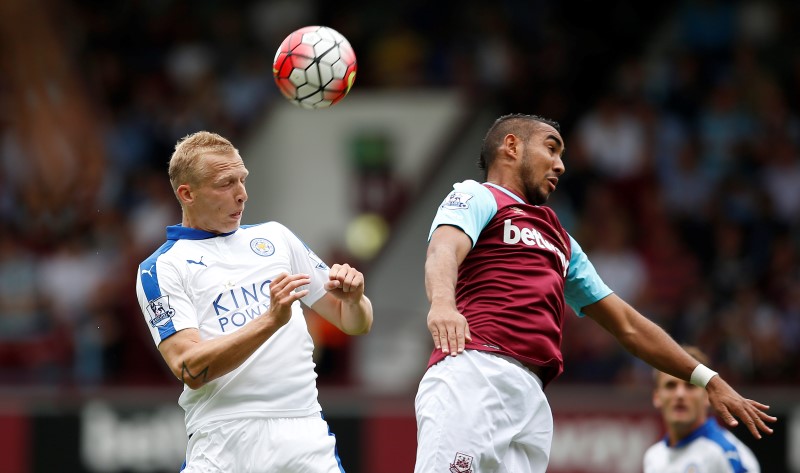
x=344 y=304
x=196 y=362
x=448 y=247
x=649 y=342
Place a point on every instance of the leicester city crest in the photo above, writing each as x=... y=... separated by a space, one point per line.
x=262 y=247
x=159 y=311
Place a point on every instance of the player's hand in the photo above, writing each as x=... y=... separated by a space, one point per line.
x=282 y=294
x=345 y=283
x=730 y=405
x=449 y=329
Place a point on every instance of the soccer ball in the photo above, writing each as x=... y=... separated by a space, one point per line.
x=314 y=67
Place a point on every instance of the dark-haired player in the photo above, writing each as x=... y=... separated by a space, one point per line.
x=499 y=272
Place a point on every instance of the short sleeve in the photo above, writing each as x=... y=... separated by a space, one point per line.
x=305 y=261
x=165 y=305
x=469 y=206
x=583 y=285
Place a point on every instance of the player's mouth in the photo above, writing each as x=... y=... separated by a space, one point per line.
x=680 y=409
x=553 y=183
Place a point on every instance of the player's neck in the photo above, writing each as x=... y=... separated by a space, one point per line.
x=508 y=185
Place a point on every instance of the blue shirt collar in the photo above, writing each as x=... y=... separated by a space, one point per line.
x=179 y=232
x=703 y=431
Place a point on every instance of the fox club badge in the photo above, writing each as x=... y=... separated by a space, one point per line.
x=262 y=247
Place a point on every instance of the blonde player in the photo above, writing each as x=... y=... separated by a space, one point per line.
x=694 y=441
x=222 y=302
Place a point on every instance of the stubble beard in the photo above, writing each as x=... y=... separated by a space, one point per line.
x=536 y=196
x=533 y=191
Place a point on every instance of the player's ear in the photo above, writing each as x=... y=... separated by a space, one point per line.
x=656 y=400
x=512 y=145
x=185 y=194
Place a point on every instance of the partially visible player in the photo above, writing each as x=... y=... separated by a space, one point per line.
x=499 y=272
x=694 y=441
x=222 y=302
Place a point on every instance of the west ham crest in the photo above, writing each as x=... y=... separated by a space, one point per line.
x=461 y=464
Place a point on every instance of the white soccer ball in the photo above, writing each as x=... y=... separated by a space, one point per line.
x=314 y=67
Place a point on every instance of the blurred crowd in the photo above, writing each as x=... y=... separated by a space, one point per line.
x=684 y=183
x=682 y=126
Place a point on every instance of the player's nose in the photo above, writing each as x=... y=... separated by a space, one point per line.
x=558 y=166
x=241 y=194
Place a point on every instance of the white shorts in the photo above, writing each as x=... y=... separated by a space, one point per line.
x=282 y=445
x=482 y=413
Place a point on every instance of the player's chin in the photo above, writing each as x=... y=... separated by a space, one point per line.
x=539 y=198
x=230 y=226
x=682 y=415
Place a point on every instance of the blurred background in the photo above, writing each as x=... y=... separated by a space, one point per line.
x=682 y=129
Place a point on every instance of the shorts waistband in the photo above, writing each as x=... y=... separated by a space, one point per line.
x=535 y=370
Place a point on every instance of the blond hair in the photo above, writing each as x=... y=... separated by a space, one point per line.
x=185 y=165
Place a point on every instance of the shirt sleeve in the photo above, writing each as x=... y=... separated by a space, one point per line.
x=583 y=285
x=469 y=206
x=165 y=305
x=305 y=261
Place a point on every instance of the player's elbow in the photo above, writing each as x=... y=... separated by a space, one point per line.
x=191 y=383
x=629 y=339
x=182 y=357
x=193 y=377
x=194 y=382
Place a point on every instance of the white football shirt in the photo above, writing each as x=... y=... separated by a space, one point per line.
x=219 y=283
x=709 y=449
